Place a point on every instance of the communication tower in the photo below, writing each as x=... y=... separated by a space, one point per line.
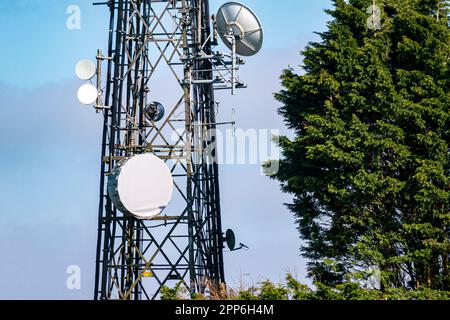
x=159 y=210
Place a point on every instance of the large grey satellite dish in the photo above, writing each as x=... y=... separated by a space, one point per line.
x=236 y=19
x=141 y=186
x=85 y=70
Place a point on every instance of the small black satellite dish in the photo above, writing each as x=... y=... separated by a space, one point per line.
x=230 y=238
x=154 y=111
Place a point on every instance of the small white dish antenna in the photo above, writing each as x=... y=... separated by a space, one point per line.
x=141 y=186
x=85 y=70
x=87 y=94
x=236 y=19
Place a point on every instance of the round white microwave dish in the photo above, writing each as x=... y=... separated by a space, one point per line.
x=87 y=94
x=85 y=70
x=141 y=186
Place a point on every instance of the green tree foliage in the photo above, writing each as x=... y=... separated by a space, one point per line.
x=168 y=294
x=369 y=165
x=292 y=289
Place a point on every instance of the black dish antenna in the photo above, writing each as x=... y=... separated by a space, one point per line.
x=230 y=239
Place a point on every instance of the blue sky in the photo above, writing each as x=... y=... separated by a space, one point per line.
x=50 y=148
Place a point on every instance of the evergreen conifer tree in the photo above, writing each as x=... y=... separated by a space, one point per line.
x=369 y=165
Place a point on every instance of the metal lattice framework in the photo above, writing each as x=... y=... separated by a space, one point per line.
x=135 y=258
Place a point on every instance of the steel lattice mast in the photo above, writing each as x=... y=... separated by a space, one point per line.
x=135 y=258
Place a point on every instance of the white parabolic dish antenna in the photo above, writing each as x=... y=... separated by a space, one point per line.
x=85 y=70
x=237 y=19
x=87 y=94
x=141 y=186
